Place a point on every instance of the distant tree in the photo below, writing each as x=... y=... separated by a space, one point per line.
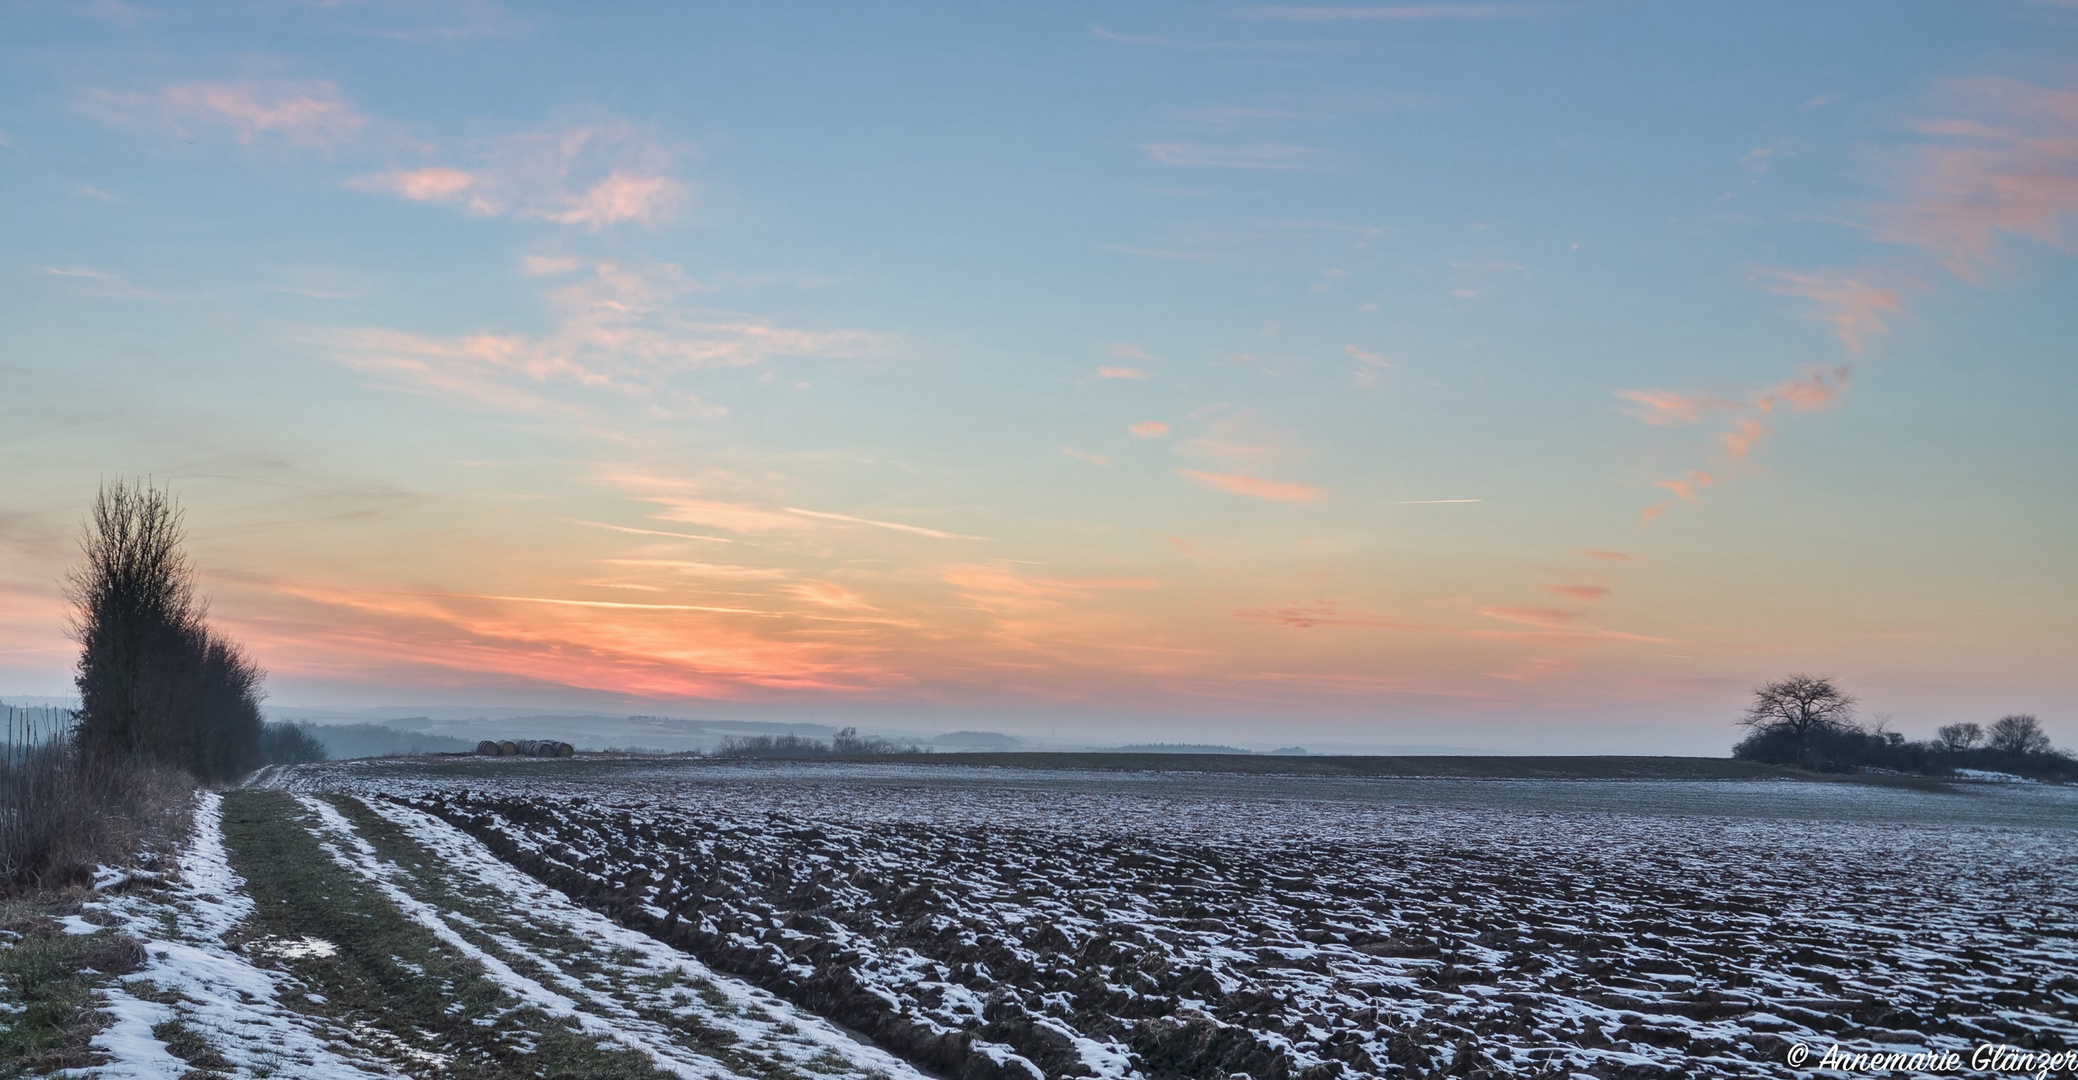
x=1956 y=738
x=1801 y=706
x=155 y=682
x=290 y=744
x=2019 y=735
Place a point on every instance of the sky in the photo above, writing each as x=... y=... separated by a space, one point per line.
x=1524 y=376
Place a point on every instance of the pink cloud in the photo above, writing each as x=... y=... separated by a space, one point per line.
x=1129 y=352
x=1747 y=428
x=837 y=596
x=1852 y=304
x=2010 y=170
x=1605 y=556
x=1149 y=429
x=618 y=198
x=593 y=175
x=1533 y=616
x=1094 y=459
x=1122 y=373
x=432 y=184
x=306 y=113
x=1536 y=669
x=1686 y=487
x=997 y=579
x=1255 y=487
x=1579 y=592
x=622 y=329
x=1663 y=408
x=1307 y=615
x=1816 y=388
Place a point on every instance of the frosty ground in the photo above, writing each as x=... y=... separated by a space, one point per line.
x=610 y=918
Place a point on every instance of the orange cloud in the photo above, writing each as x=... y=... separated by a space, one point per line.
x=997 y=579
x=1664 y=408
x=1605 y=556
x=1853 y=305
x=1579 y=592
x=837 y=596
x=1149 y=429
x=1536 y=669
x=1255 y=487
x=1306 y=616
x=2012 y=170
x=1533 y=616
x=1685 y=488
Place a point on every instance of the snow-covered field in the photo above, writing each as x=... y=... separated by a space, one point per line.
x=998 y=925
x=210 y=982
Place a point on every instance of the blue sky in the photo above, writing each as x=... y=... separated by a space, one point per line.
x=1534 y=375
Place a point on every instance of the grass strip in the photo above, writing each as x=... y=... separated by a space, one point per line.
x=390 y=985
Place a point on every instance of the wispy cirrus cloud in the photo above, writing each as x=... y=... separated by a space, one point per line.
x=2006 y=165
x=1256 y=487
x=1749 y=421
x=1536 y=669
x=1849 y=299
x=311 y=114
x=595 y=174
x=1122 y=373
x=1579 y=592
x=1305 y=616
x=624 y=329
x=1149 y=429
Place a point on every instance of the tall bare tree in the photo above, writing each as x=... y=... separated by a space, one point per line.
x=154 y=680
x=1800 y=705
x=2018 y=734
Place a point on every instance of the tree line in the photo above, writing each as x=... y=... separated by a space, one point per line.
x=1808 y=721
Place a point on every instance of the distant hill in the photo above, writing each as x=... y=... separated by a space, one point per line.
x=375 y=740
x=977 y=740
x=1177 y=748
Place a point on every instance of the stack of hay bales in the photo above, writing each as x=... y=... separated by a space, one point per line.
x=524 y=748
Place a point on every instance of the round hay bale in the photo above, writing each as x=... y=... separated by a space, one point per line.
x=506 y=748
x=488 y=747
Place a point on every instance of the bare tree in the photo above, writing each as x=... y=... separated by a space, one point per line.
x=1956 y=738
x=133 y=597
x=1800 y=705
x=2018 y=734
x=154 y=680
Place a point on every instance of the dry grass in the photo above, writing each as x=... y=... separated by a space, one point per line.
x=62 y=813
